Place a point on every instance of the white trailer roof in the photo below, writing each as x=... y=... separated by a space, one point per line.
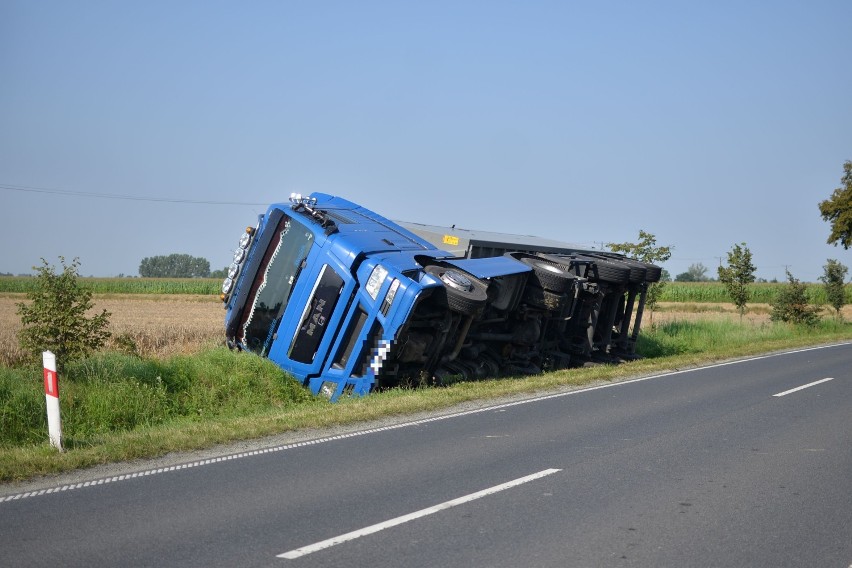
x=476 y=243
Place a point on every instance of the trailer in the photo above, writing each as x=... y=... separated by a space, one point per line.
x=350 y=302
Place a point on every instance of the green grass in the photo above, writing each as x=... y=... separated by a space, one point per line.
x=117 y=407
x=717 y=337
x=111 y=393
x=212 y=286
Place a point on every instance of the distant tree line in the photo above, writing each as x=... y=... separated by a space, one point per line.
x=174 y=266
x=695 y=273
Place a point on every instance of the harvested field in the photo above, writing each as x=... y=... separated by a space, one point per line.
x=158 y=325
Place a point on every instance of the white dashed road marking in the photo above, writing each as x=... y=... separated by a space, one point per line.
x=803 y=387
x=328 y=543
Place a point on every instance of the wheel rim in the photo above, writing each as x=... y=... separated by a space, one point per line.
x=550 y=268
x=457 y=281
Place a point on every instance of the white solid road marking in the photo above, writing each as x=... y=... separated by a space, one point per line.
x=803 y=387
x=305 y=550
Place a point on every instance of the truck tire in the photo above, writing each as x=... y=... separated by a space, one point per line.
x=607 y=271
x=547 y=275
x=637 y=269
x=653 y=273
x=463 y=292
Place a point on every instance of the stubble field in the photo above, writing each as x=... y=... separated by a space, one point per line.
x=158 y=325
x=756 y=314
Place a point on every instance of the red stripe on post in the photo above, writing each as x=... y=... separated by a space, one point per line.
x=51 y=385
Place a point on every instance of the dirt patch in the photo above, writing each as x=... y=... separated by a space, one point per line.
x=756 y=314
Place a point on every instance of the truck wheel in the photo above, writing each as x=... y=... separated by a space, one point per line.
x=607 y=271
x=547 y=275
x=464 y=293
x=653 y=273
x=637 y=269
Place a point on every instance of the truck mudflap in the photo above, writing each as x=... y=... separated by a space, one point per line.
x=488 y=267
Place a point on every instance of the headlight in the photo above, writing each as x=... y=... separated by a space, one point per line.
x=392 y=291
x=245 y=240
x=233 y=270
x=386 y=304
x=227 y=285
x=374 y=283
x=239 y=255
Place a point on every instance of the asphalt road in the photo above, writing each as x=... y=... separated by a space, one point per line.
x=707 y=467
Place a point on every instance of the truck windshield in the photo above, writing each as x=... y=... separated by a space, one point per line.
x=276 y=276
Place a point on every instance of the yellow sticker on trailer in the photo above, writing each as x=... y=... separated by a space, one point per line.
x=451 y=240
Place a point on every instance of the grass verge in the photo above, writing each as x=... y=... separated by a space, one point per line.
x=116 y=407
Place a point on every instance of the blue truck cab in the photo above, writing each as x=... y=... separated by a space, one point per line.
x=348 y=302
x=322 y=286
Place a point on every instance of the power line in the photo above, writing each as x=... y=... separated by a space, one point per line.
x=28 y=189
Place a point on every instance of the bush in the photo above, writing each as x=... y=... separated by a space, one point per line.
x=833 y=278
x=738 y=275
x=55 y=319
x=791 y=304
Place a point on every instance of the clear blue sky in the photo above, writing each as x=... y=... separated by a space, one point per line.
x=705 y=124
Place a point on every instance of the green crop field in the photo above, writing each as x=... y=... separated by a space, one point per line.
x=760 y=292
x=23 y=284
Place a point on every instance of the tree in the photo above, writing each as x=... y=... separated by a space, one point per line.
x=791 y=304
x=174 y=266
x=695 y=273
x=219 y=273
x=55 y=319
x=738 y=275
x=646 y=250
x=833 y=278
x=837 y=210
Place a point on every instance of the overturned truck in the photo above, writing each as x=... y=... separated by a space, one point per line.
x=349 y=302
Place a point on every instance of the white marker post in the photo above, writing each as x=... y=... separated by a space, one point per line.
x=51 y=395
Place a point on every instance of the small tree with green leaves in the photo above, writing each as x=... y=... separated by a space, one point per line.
x=646 y=250
x=834 y=275
x=738 y=275
x=791 y=304
x=56 y=318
